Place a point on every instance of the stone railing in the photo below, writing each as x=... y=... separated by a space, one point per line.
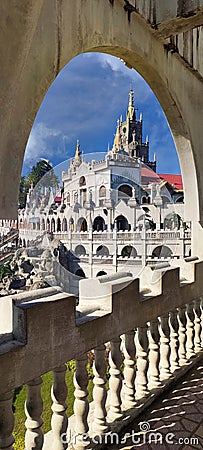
x=153 y=326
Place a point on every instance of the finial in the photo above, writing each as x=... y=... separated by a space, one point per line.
x=147 y=139
x=140 y=117
x=154 y=156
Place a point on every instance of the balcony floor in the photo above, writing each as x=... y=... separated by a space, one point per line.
x=179 y=411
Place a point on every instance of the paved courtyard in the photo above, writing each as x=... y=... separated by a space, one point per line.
x=176 y=419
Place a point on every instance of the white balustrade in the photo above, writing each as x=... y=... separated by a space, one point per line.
x=99 y=391
x=174 y=342
x=129 y=370
x=164 y=332
x=6 y=421
x=197 y=325
x=34 y=437
x=154 y=355
x=115 y=381
x=190 y=317
x=142 y=345
x=81 y=405
x=59 y=421
x=182 y=335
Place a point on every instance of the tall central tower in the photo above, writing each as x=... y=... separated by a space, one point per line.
x=129 y=135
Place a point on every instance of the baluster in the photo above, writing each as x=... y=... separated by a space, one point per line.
x=115 y=381
x=129 y=370
x=34 y=437
x=174 y=343
x=6 y=421
x=201 y=307
x=142 y=346
x=81 y=405
x=154 y=357
x=99 y=391
x=182 y=335
x=197 y=313
x=164 y=332
x=190 y=318
x=59 y=421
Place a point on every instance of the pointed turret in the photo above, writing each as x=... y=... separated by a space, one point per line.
x=77 y=151
x=131 y=110
x=117 y=139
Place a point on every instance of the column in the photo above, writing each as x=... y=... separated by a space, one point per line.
x=182 y=335
x=174 y=343
x=99 y=391
x=59 y=421
x=142 y=345
x=115 y=381
x=190 y=318
x=154 y=357
x=6 y=421
x=129 y=370
x=197 y=325
x=164 y=332
x=81 y=405
x=34 y=437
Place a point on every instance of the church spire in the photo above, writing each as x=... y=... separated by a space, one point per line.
x=131 y=109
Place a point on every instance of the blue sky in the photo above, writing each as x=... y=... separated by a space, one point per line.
x=84 y=103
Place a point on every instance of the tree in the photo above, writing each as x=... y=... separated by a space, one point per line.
x=43 y=171
x=23 y=190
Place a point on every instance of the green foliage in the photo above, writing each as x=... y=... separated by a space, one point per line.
x=41 y=171
x=5 y=270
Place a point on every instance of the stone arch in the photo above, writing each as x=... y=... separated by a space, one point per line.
x=80 y=250
x=81 y=224
x=99 y=224
x=64 y=225
x=177 y=88
x=122 y=223
x=129 y=251
x=162 y=251
x=124 y=192
x=102 y=250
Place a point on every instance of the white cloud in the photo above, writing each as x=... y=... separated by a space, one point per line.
x=40 y=143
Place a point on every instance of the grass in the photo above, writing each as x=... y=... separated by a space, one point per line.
x=20 y=397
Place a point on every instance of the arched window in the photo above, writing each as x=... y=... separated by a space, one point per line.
x=68 y=198
x=122 y=223
x=81 y=224
x=99 y=224
x=48 y=225
x=128 y=251
x=53 y=225
x=172 y=221
x=102 y=195
x=43 y=224
x=58 y=225
x=64 y=224
x=82 y=181
x=101 y=273
x=162 y=251
x=124 y=192
x=80 y=250
x=102 y=250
